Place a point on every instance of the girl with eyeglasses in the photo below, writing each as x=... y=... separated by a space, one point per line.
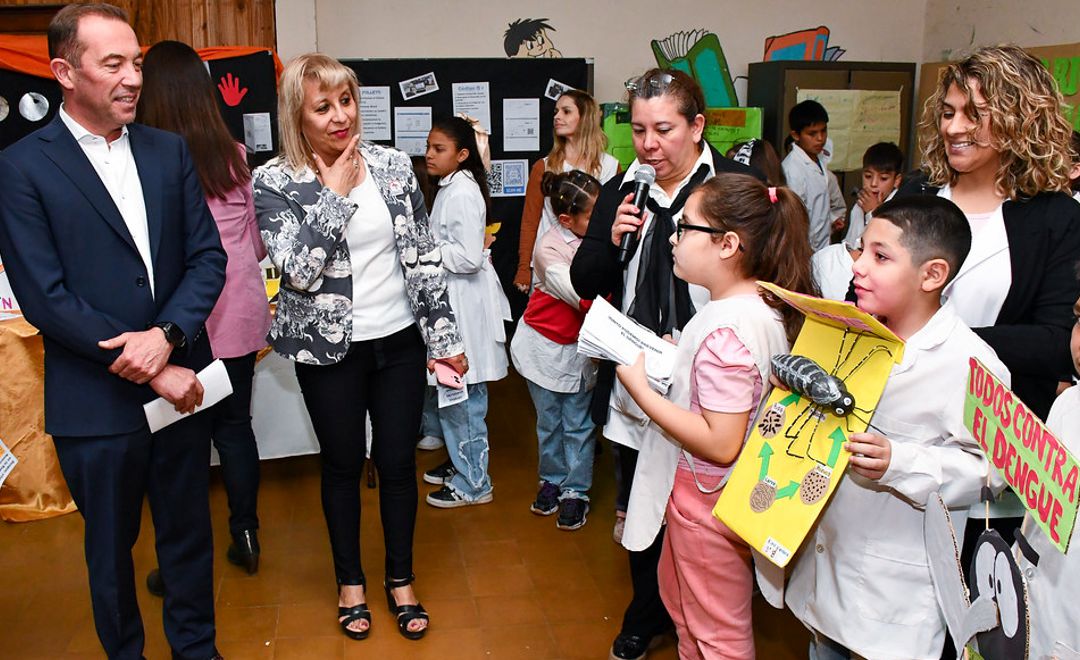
x=734 y=232
x=544 y=350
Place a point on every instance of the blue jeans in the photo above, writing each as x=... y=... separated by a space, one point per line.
x=823 y=648
x=429 y=423
x=464 y=430
x=564 y=434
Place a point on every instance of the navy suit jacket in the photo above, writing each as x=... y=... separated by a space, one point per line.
x=79 y=278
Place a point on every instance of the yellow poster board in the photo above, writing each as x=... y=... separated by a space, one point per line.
x=794 y=457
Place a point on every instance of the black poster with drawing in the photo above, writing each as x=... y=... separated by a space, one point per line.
x=247 y=85
x=26 y=104
x=507 y=79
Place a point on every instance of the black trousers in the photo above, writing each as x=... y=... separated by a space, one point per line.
x=385 y=377
x=235 y=443
x=108 y=477
x=646 y=615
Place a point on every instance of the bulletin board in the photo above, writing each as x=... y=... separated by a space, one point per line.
x=429 y=83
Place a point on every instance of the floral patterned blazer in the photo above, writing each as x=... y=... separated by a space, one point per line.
x=303 y=226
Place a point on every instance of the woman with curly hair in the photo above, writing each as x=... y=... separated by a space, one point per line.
x=994 y=141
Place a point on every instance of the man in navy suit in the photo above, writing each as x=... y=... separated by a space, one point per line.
x=115 y=258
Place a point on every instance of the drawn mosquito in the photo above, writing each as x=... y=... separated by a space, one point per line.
x=826 y=390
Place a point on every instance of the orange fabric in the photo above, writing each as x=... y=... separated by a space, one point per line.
x=35 y=489
x=30 y=54
x=530 y=221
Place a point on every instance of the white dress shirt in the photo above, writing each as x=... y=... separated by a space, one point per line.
x=809 y=180
x=115 y=166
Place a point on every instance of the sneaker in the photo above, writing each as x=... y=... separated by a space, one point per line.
x=441 y=475
x=620 y=525
x=572 y=512
x=629 y=647
x=547 y=500
x=430 y=443
x=448 y=498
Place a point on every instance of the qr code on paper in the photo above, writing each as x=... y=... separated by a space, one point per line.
x=507 y=178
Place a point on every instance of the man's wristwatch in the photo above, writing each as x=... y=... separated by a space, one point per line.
x=173 y=334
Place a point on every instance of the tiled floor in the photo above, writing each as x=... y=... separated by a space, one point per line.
x=498 y=581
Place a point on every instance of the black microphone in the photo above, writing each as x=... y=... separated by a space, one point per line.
x=644 y=177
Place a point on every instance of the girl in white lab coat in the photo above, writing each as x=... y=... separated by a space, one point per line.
x=734 y=231
x=458 y=222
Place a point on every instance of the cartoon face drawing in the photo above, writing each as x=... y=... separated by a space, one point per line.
x=528 y=37
x=994 y=571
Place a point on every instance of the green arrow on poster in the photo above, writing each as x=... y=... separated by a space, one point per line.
x=765 y=454
x=837 y=442
x=789 y=399
x=788 y=491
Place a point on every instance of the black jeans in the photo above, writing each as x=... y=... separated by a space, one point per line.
x=235 y=443
x=386 y=378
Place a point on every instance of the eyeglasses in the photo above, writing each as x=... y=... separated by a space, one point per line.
x=649 y=86
x=681 y=227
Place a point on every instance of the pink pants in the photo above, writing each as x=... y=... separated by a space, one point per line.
x=706 y=577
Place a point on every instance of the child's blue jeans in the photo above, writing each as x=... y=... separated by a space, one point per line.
x=464 y=429
x=564 y=434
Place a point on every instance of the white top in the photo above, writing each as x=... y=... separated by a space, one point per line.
x=832 y=270
x=863 y=577
x=115 y=166
x=857 y=223
x=810 y=181
x=380 y=304
x=1054 y=583
x=626 y=421
x=480 y=306
x=979 y=289
x=555 y=367
x=761 y=329
x=609 y=167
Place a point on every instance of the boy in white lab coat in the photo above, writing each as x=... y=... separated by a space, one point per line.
x=882 y=172
x=862 y=582
x=804 y=168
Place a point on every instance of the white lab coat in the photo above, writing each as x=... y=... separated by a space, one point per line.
x=1054 y=583
x=832 y=267
x=480 y=306
x=810 y=181
x=761 y=329
x=863 y=578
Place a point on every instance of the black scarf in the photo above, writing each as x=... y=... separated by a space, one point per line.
x=661 y=300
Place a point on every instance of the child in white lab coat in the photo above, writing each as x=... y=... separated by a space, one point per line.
x=804 y=168
x=458 y=222
x=544 y=351
x=882 y=172
x=734 y=232
x=862 y=582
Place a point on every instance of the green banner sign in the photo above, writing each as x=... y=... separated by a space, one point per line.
x=1033 y=462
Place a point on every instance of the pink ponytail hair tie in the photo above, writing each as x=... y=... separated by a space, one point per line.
x=772 y=194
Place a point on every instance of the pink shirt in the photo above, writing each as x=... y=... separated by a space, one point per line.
x=726 y=380
x=241 y=318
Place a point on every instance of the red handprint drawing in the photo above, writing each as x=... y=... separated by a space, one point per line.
x=230 y=90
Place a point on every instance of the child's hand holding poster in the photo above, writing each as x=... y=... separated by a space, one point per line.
x=794 y=457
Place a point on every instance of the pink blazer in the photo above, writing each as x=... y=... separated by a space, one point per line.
x=241 y=317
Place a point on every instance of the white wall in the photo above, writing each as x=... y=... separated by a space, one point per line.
x=953 y=26
x=615 y=35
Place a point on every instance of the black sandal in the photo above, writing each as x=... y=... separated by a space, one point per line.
x=352 y=615
x=405 y=614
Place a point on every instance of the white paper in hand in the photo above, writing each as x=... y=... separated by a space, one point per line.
x=216 y=386
x=609 y=334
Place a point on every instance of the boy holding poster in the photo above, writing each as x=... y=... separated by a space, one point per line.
x=862 y=584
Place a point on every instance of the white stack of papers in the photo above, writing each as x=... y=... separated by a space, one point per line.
x=609 y=334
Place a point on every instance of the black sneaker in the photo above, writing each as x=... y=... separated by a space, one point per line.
x=629 y=647
x=572 y=512
x=448 y=498
x=547 y=500
x=441 y=475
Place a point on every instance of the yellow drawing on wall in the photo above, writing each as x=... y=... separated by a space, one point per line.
x=794 y=457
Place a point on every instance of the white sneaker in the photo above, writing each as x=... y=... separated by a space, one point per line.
x=430 y=443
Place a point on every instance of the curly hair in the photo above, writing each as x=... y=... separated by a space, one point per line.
x=1027 y=125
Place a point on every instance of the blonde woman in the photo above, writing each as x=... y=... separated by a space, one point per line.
x=579 y=145
x=363 y=307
